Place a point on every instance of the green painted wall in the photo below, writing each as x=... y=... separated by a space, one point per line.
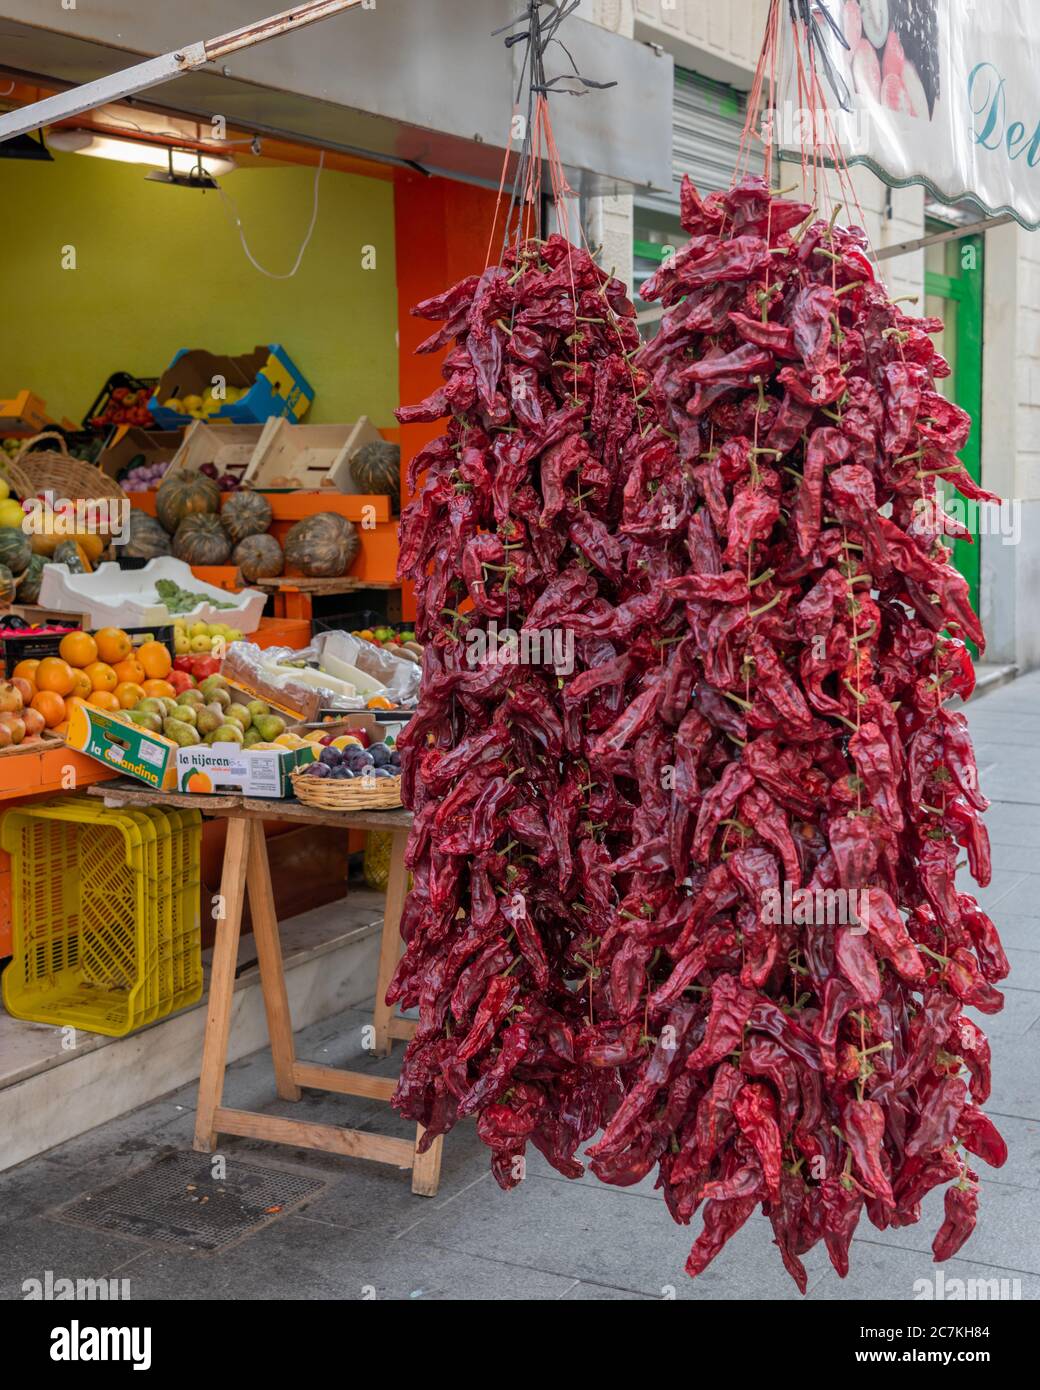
x=160 y=268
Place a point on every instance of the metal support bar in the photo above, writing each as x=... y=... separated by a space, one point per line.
x=151 y=73
x=902 y=248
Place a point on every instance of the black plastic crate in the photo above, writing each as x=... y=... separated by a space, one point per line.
x=104 y=396
x=34 y=646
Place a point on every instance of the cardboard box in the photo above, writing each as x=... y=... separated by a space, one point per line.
x=157 y=446
x=135 y=752
x=276 y=386
x=217 y=767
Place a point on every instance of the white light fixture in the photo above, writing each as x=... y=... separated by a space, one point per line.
x=138 y=152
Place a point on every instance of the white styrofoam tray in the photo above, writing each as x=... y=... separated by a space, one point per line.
x=116 y=597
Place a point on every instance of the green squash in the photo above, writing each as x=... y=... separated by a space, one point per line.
x=376 y=468
x=7 y=589
x=147 y=538
x=201 y=540
x=29 y=584
x=69 y=553
x=258 y=557
x=15 y=549
x=184 y=494
x=323 y=546
x=246 y=514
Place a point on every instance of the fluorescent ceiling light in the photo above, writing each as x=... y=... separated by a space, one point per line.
x=138 y=152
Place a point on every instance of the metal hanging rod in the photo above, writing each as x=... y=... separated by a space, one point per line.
x=902 y=248
x=120 y=85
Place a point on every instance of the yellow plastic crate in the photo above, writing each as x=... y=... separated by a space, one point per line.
x=105 y=915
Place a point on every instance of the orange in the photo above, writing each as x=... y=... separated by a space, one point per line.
x=155 y=659
x=104 y=699
x=74 y=702
x=129 y=670
x=81 y=683
x=128 y=693
x=113 y=644
x=61 y=729
x=154 y=688
x=54 y=674
x=27 y=670
x=102 y=677
x=50 y=705
x=78 y=648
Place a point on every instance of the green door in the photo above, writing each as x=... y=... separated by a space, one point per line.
x=953 y=292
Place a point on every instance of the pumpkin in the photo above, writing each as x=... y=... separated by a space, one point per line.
x=185 y=493
x=376 y=468
x=147 y=538
x=7 y=590
x=246 y=514
x=322 y=546
x=69 y=553
x=201 y=540
x=15 y=550
x=258 y=557
x=29 y=584
x=92 y=543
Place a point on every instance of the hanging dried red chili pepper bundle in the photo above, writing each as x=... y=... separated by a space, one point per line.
x=743 y=536
x=514 y=842
x=821 y=1068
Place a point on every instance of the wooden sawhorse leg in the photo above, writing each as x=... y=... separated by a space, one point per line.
x=245 y=854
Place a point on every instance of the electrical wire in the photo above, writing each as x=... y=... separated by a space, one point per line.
x=228 y=201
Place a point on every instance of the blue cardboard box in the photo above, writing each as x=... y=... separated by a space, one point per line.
x=269 y=379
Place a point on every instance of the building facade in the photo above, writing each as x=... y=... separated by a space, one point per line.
x=985 y=286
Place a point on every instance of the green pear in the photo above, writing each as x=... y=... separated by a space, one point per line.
x=213 y=682
x=227 y=733
x=269 y=726
x=206 y=720
x=258 y=708
x=252 y=736
x=241 y=715
x=188 y=714
x=180 y=732
x=216 y=695
x=191 y=697
x=145 y=719
x=149 y=705
x=169 y=705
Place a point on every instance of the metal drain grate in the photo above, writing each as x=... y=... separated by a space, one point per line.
x=176 y=1202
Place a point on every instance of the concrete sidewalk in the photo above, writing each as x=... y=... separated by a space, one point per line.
x=364 y=1234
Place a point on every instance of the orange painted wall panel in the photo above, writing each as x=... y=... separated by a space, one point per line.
x=442 y=229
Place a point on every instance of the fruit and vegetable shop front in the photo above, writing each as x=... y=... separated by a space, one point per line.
x=208 y=653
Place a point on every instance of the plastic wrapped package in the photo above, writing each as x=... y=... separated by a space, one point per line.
x=275 y=675
x=399 y=679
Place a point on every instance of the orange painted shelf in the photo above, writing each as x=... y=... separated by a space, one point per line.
x=293 y=506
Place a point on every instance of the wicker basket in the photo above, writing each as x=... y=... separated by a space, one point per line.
x=56 y=471
x=347 y=793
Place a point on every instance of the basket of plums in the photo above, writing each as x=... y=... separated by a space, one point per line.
x=348 y=776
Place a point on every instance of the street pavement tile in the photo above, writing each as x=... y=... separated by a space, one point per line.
x=1021 y=1010
x=1017 y=931
x=32 y=1246
x=1022 y=897
x=584 y=1292
x=598 y=1234
x=886 y=1273
x=1022 y=1137
x=1005 y=1237
x=1015 y=1090
x=1025 y=965
x=298 y=1259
